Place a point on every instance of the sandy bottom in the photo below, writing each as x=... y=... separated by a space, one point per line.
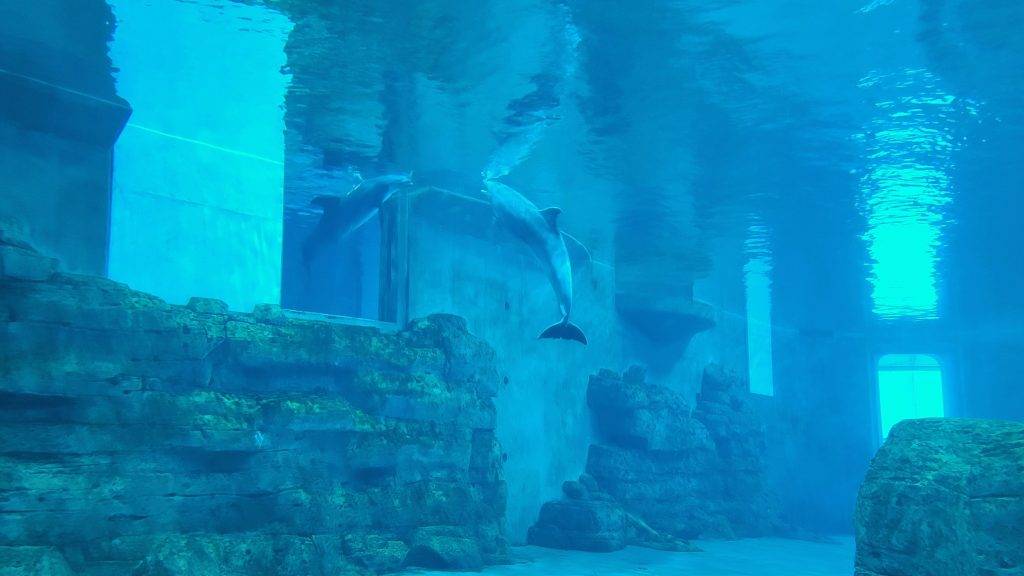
x=756 y=557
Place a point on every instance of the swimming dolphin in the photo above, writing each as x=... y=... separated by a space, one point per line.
x=538 y=229
x=344 y=214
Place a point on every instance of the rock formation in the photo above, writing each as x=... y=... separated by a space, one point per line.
x=944 y=497
x=689 y=474
x=142 y=438
x=587 y=519
x=669 y=472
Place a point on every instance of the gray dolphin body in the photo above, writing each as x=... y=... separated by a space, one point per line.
x=538 y=229
x=344 y=214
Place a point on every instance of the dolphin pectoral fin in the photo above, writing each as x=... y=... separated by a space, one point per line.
x=565 y=331
x=551 y=216
x=579 y=254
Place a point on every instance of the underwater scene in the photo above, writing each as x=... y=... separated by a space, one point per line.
x=511 y=287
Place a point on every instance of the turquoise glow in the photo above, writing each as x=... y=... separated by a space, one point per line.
x=199 y=170
x=906 y=190
x=757 y=279
x=909 y=386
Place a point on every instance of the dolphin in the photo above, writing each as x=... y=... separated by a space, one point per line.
x=344 y=214
x=538 y=229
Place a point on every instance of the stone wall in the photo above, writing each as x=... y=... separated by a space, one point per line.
x=139 y=437
x=944 y=498
x=689 y=473
x=684 y=472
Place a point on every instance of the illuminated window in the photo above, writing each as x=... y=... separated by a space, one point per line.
x=909 y=386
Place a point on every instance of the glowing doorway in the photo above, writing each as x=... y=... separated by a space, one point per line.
x=909 y=386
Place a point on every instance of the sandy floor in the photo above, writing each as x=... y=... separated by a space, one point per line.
x=760 y=557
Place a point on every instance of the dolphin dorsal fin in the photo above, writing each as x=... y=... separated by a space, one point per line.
x=551 y=216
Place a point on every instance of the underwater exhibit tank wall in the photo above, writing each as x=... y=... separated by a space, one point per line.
x=815 y=200
x=543 y=420
x=544 y=412
x=979 y=53
x=821 y=438
x=435 y=118
x=199 y=171
x=362 y=116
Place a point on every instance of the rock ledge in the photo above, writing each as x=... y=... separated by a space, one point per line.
x=142 y=438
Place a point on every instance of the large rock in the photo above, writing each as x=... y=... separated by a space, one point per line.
x=577 y=522
x=686 y=472
x=587 y=519
x=444 y=548
x=944 y=497
x=140 y=437
x=32 y=561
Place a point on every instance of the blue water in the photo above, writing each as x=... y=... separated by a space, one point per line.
x=836 y=186
x=867 y=126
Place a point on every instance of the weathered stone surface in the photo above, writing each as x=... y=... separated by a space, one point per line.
x=634 y=414
x=375 y=552
x=737 y=431
x=32 y=561
x=444 y=548
x=23 y=263
x=207 y=305
x=140 y=437
x=575 y=524
x=944 y=497
x=688 y=474
x=269 y=313
x=588 y=519
x=574 y=490
x=242 y=555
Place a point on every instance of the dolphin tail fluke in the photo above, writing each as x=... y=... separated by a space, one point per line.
x=565 y=331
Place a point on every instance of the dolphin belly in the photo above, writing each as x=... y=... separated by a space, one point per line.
x=539 y=231
x=560 y=276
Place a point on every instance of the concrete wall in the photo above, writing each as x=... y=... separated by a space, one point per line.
x=59 y=191
x=198 y=173
x=55 y=186
x=474 y=271
x=460 y=263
